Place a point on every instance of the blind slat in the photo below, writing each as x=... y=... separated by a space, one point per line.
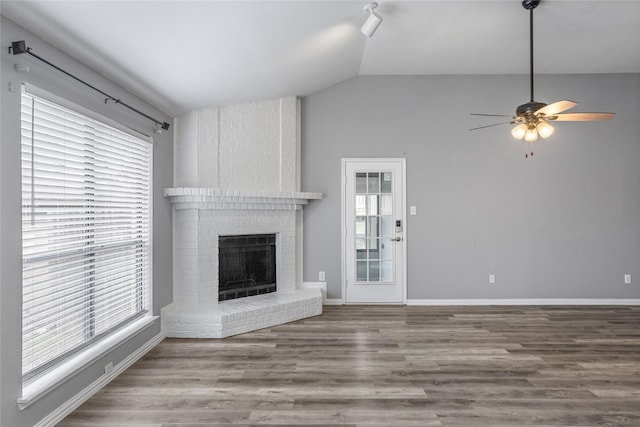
x=86 y=203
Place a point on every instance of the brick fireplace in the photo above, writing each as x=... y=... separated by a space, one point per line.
x=264 y=200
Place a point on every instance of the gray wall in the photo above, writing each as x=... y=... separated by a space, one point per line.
x=10 y=240
x=563 y=224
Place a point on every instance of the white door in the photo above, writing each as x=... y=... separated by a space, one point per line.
x=373 y=231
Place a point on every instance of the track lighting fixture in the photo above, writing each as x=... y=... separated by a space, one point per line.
x=373 y=21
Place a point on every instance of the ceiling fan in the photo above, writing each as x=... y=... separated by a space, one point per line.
x=533 y=118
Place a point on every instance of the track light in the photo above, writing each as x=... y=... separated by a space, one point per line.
x=373 y=21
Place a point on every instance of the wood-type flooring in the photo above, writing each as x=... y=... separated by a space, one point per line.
x=391 y=366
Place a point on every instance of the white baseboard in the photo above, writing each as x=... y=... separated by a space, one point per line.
x=515 y=301
x=70 y=405
x=526 y=301
x=316 y=285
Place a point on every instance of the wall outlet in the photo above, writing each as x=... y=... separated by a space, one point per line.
x=627 y=279
x=108 y=368
x=413 y=210
x=492 y=278
x=321 y=276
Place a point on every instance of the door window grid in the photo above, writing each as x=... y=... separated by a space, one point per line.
x=374 y=227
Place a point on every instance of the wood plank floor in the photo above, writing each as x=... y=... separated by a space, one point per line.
x=391 y=366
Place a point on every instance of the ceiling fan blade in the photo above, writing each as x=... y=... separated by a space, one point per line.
x=581 y=117
x=556 y=107
x=488 y=126
x=492 y=115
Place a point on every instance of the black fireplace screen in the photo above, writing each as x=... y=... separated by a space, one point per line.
x=246 y=265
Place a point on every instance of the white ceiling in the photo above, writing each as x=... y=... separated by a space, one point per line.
x=185 y=55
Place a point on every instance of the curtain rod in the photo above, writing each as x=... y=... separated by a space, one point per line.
x=20 y=47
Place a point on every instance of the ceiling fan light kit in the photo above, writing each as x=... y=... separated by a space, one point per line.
x=532 y=118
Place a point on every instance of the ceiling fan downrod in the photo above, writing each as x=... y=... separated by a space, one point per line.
x=530 y=5
x=527 y=110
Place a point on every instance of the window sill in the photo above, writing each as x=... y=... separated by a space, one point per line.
x=67 y=369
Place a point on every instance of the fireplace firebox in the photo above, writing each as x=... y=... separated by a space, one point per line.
x=246 y=265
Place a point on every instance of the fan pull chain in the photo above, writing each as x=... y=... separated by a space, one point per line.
x=527 y=153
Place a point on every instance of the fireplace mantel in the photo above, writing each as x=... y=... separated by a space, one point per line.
x=222 y=199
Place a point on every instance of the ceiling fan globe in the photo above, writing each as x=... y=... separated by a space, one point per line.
x=531 y=135
x=545 y=130
x=519 y=131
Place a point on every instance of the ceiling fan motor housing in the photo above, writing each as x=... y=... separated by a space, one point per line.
x=528 y=109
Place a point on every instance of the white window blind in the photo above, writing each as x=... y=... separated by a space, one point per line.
x=86 y=194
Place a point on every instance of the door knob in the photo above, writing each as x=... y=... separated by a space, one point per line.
x=397 y=239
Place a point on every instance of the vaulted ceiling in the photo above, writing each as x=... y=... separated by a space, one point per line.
x=185 y=55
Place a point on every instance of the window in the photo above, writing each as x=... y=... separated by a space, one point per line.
x=86 y=213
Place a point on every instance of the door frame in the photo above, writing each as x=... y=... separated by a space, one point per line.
x=343 y=221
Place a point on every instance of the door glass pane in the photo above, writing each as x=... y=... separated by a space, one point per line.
x=361 y=271
x=361 y=205
x=386 y=249
x=385 y=185
x=361 y=226
x=361 y=183
x=386 y=204
x=386 y=226
x=374 y=271
x=361 y=248
x=373 y=205
x=373 y=183
x=374 y=227
x=374 y=249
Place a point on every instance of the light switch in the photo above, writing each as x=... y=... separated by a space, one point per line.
x=412 y=210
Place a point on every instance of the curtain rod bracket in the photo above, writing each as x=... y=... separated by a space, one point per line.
x=20 y=47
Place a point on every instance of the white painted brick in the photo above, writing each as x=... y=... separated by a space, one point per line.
x=238 y=316
x=208 y=143
x=184 y=158
x=250 y=154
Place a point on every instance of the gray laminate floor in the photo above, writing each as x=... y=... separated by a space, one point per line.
x=391 y=366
